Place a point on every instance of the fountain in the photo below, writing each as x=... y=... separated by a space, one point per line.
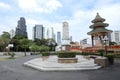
x=53 y=63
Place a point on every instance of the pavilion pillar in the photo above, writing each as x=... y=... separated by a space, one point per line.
x=92 y=37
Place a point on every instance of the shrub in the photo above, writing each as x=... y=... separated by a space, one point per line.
x=53 y=53
x=12 y=55
x=45 y=54
x=101 y=51
x=89 y=53
x=117 y=56
x=66 y=54
x=110 y=58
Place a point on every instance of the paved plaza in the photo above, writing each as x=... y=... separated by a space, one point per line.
x=51 y=64
x=15 y=70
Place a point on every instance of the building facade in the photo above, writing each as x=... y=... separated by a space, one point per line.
x=65 y=34
x=21 y=27
x=12 y=33
x=115 y=37
x=50 y=33
x=38 y=32
x=58 y=37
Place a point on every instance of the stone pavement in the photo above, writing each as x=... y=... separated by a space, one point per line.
x=51 y=64
x=14 y=70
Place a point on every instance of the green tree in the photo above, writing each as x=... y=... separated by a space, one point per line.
x=24 y=43
x=40 y=42
x=5 y=35
x=4 y=40
x=52 y=44
x=34 y=48
x=43 y=48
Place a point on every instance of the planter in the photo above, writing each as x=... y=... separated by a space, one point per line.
x=45 y=57
x=102 y=61
x=67 y=60
x=110 y=59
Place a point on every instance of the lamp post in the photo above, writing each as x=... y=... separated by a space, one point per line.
x=30 y=50
x=105 y=40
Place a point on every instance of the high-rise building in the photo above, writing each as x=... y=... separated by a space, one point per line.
x=21 y=27
x=58 y=37
x=65 y=46
x=70 y=38
x=65 y=34
x=115 y=37
x=38 y=32
x=50 y=33
x=12 y=33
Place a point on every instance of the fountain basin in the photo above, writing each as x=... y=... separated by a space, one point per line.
x=51 y=64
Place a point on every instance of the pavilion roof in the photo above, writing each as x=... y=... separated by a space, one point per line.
x=99 y=24
x=100 y=30
x=98 y=18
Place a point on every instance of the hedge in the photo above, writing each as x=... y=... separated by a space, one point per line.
x=66 y=54
x=90 y=53
x=45 y=54
x=110 y=58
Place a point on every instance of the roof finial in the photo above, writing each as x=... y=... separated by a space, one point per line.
x=97 y=13
x=98 y=16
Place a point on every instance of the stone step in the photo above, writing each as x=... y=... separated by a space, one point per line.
x=52 y=65
x=42 y=68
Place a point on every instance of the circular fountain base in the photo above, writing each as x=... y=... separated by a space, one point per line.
x=51 y=64
x=67 y=60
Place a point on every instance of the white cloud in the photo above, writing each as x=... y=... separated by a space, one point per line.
x=79 y=14
x=81 y=19
x=46 y=6
x=4 y=5
x=53 y=5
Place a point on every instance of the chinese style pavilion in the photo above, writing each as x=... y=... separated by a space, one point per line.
x=99 y=31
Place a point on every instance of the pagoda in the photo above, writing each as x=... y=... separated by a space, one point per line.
x=99 y=31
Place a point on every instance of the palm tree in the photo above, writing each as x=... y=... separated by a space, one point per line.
x=4 y=40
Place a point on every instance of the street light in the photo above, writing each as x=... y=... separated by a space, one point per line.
x=105 y=40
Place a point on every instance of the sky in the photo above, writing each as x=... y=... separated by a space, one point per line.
x=52 y=13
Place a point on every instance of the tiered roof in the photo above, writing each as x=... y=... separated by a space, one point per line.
x=98 y=25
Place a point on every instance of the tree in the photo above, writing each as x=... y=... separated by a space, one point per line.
x=40 y=42
x=34 y=47
x=43 y=48
x=4 y=40
x=5 y=35
x=52 y=44
x=24 y=43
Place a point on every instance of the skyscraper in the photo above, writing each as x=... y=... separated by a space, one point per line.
x=38 y=32
x=21 y=27
x=115 y=37
x=65 y=46
x=12 y=33
x=50 y=33
x=58 y=37
x=65 y=34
